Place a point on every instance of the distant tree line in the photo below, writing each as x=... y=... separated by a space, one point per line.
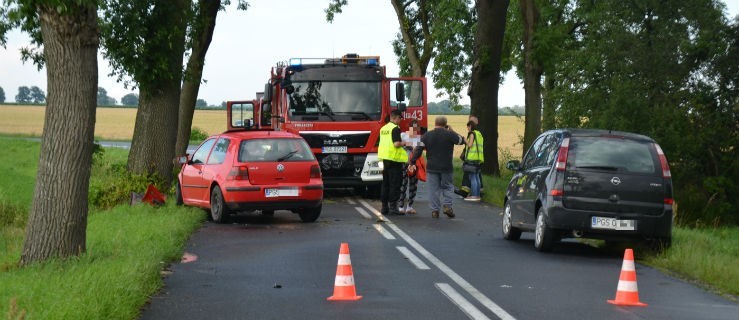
x=445 y=107
x=34 y=95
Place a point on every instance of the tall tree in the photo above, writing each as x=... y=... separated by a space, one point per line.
x=130 y=99
x=69 y=34
x=37 y=95
x=201 y=34
x=24 y=95
x=2 y=95
x=145 y=43
x=532 y=73
x=488 y=49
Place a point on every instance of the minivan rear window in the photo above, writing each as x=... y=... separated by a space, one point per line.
x=611 y=154
x=274 y=149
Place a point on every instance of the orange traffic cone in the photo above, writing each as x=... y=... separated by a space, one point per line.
x=344 y=284
x=627 y=293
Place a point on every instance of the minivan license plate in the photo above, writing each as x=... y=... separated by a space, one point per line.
x=280 y=192
x=612 y=224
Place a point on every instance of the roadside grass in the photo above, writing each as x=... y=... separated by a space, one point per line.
x=709 y=256
x=127 y=247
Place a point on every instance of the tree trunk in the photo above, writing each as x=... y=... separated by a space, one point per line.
x=532 y=74
x=155 y=132
x=207 y=12
x=548 y=119
x=57 y=222
x=488 y=48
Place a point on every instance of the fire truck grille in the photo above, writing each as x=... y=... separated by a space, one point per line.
x=341 y=165
x=350 y=140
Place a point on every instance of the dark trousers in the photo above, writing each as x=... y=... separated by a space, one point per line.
x=390 y=192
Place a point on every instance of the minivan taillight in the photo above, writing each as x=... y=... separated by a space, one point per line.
x=238 y=173
x=562 y=156
x=315 y=172
x=663 y=162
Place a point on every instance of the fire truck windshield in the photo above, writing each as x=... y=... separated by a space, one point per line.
x=335 y=100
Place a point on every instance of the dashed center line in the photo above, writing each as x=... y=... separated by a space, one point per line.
x=471 y=290
x=413 y=258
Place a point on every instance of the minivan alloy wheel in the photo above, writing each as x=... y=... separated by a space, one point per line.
x=543 y=237
x=509 y=232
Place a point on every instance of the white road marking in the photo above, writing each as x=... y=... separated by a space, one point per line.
x=384 y=232
x=492 y=306
x=413 y=258
x=363 y=213
x=461 y=302
x=351 y=201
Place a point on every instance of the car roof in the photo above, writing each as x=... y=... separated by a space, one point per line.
x=259 y=134
x=577 y=132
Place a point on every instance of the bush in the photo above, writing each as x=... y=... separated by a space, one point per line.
x=197 y=134
x=115 y=186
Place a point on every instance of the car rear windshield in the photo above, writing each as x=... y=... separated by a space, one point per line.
x=274 y=150
x=612 y=154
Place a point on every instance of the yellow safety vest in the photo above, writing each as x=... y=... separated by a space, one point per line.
x=474 y=153
x=386 y=150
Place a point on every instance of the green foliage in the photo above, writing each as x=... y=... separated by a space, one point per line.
x=126 y=250
x=197 y=134
x=130 y=99
x=708 y=255
x=333 y=8
x=24 y=95
x=113 y=185
x=2 y=95
x=37 y=95
x=662 y=70
x=201 y=103
x=103 y=99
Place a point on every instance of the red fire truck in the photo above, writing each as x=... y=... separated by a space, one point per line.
x=338 y=105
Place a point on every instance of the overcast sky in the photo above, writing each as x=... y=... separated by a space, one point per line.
x=246 y=44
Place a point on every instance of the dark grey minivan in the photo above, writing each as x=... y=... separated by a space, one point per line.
x=588 y=183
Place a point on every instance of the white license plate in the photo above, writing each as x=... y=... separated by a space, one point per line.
x=612 y=224
x=280 y=192
x=335 y=149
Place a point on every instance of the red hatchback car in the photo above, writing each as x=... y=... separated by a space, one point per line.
x=252 y=170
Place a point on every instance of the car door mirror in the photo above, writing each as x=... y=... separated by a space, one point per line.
x=513 y=165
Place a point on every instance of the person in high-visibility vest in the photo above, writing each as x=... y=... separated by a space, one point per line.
x=474 y=156
x=393 y=156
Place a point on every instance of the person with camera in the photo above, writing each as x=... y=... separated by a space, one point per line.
x=473 y=160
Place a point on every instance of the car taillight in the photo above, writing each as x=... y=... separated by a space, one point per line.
x=556 y=192
x=562 y=156
x=315 y=171
x=238 y=173
x=663 y=161
x=669 y=201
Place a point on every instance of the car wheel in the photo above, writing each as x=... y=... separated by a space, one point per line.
x=178 y=193
x=543 y=235
x=218 y=210
x=509 y=231
x=310 y=214
x=268 y=213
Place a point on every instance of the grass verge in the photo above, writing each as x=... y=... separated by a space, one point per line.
x=126 y=247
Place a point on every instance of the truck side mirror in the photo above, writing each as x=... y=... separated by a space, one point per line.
x=401 y=106
x=399 y=92
x=267 y=92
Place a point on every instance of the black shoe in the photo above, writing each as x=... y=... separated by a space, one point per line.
x=435 y=214
x=449 y=212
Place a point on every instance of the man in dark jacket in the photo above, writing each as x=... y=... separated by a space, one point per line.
x=439 y=145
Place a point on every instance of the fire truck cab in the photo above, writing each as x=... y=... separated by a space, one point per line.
x=338 y=105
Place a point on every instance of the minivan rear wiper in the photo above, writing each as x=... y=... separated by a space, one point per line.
x=610 y=168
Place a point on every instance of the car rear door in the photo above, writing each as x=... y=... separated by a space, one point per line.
x=614 y=175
